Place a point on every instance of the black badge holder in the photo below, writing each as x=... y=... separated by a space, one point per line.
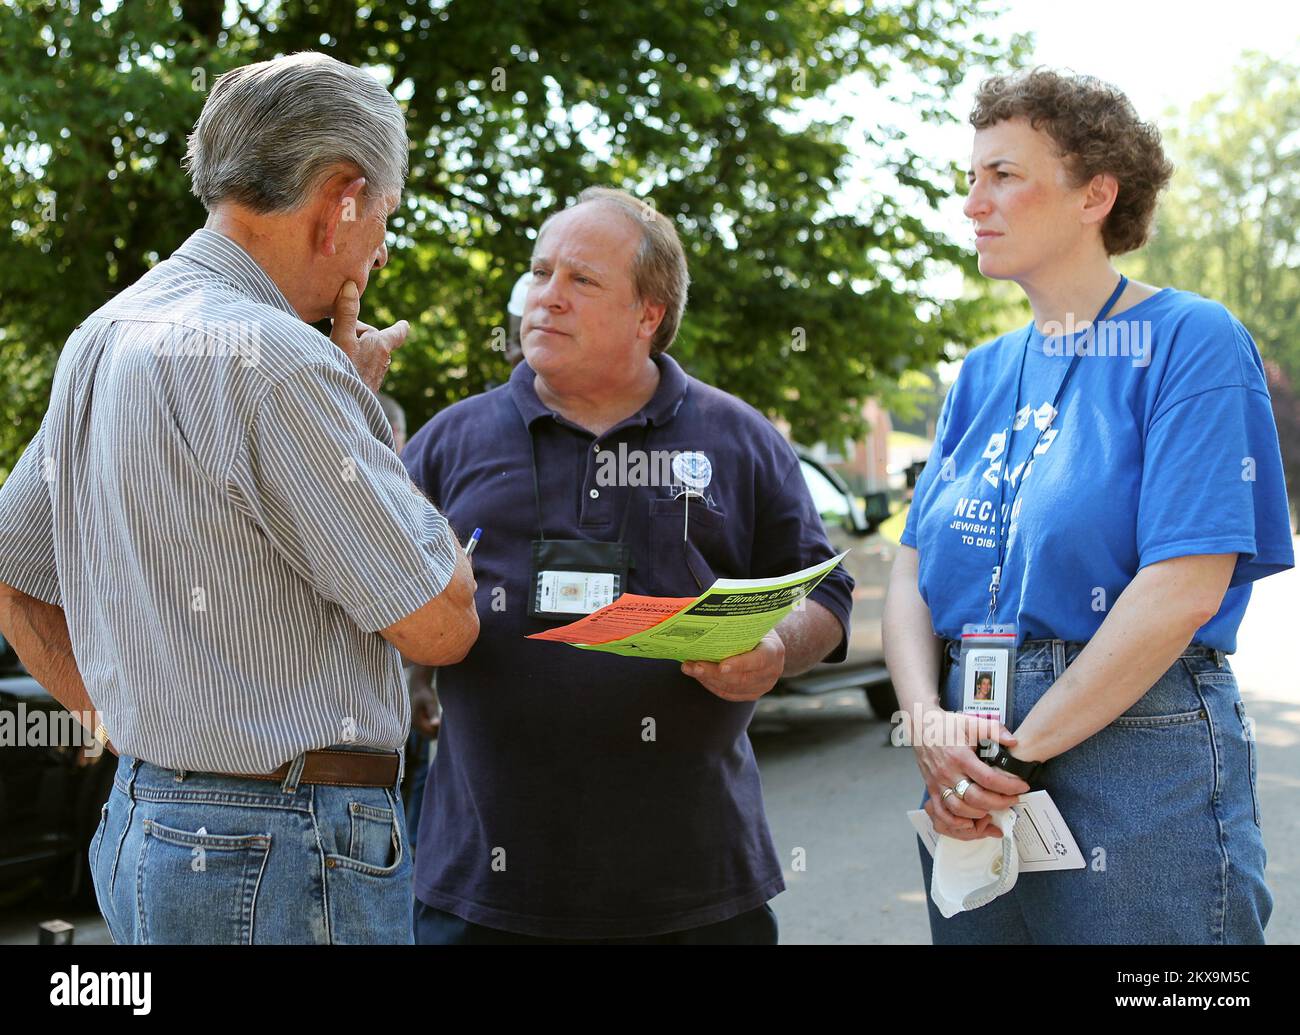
x=574 y=577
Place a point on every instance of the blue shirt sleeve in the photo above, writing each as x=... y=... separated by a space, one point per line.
x=1212 y=477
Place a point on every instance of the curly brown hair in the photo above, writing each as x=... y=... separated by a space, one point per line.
x=1096 y=131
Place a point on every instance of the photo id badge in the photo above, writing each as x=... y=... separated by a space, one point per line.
x=988 y=670
x=575 y=592
x=574 y=577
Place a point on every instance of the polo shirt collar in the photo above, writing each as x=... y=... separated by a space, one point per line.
x=661 y=408
x=224 y=257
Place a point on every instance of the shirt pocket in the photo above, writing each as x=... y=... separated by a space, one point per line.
x=684 y=548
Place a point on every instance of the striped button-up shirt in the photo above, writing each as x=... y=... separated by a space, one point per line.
x=214 y=501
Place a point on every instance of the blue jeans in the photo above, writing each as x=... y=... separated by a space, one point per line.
x=183 y=857
x=1163 y=805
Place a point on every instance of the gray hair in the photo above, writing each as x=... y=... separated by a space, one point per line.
x=659 y=271
x=269 y=133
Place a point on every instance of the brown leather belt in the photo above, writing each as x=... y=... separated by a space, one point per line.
x=337 y=769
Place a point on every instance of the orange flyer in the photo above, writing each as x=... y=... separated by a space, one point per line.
x=628 y=615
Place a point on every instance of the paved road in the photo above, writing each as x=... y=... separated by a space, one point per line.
x=839 y=790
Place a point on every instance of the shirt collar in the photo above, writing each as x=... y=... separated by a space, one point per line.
x=224 y=257
x=661 y=408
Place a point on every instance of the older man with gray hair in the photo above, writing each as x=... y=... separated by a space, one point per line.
x=211 y=551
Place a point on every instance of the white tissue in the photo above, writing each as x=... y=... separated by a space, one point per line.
x=970 y=874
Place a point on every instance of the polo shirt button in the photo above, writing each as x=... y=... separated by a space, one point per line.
x=594 y=494
x=596 y=448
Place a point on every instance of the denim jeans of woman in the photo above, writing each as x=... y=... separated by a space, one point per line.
x=183 y=857
x=1163 y=805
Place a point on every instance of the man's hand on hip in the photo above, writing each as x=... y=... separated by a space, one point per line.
x=369 y=349
x=745 y=677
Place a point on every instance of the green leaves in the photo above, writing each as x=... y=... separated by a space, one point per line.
x=711 y=109
x=1227 y=227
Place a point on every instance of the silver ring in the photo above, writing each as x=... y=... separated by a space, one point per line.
x=947 y=791
x=963 y=785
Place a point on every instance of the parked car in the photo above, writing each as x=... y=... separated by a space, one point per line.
x=861 y=679
x=50 y=797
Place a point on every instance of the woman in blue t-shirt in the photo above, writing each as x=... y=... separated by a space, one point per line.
x=1129 y=477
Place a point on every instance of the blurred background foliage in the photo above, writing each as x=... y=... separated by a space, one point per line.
x=810 y=292
x=1227 y=227
x=812 y=245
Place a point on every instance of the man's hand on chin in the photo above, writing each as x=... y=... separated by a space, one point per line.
x=369 y=348
x=745 y=677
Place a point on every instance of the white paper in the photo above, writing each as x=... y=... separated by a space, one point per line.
x=1043 y=840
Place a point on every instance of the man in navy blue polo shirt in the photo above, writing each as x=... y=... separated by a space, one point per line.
x=579 y=795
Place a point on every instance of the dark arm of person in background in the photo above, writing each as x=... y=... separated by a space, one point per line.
x=425 y=712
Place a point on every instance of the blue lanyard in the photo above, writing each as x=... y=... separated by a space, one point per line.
x=996 y=581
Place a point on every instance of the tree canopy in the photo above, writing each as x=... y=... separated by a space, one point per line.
x=809 y=287
x=1227 y=227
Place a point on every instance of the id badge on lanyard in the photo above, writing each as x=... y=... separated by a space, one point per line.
x=988 y=670
x=574 y=577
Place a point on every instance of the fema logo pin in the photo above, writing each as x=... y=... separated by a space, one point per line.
x=693 y=469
